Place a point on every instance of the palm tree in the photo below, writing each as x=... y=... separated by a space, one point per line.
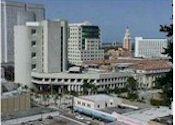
x=85 y=87
x=60 y=96
x=88 y=87
x=56 y=98
x=107 y=90
x=94 y=89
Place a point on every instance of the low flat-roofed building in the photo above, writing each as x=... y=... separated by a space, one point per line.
x=14 y=101
x=99 y=101
x=92 y=105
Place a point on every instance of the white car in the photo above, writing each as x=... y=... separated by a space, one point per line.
x=79 y=117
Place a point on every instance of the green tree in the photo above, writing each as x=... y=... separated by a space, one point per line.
x=132 y=87
x=88 y=87
x=166 y=82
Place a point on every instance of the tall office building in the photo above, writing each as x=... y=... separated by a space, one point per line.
x=127 y=40
x=150 y=48
x=16 y=13
x=84 y=43
x=40 y=47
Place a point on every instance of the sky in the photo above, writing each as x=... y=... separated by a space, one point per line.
x=143 y=17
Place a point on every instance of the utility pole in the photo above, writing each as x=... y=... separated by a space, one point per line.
x=72 y=103
x=51 y=89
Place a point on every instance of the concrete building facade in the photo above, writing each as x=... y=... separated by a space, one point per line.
x=146 y=72
x=65 y=81
x=84 y=43
x=150 y=48
x=16 y=13
x=41 y=48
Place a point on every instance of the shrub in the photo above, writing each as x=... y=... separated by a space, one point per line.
x=155 y=102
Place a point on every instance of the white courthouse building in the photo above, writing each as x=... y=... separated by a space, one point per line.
x=16 y=13
x=150 y=48
x=84 y=43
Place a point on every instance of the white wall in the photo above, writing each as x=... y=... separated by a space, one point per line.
x=22 y=55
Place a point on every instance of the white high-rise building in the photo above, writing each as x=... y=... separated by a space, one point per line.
x=84 y=43
x=150 y=48
x=16 y=13
x=40 y=47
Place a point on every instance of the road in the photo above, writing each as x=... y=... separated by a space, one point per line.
x=78 y=122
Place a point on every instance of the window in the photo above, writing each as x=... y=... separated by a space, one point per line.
x=88 y=105
x=98 y=106
x=33 y=66
x=46 y=79
x=52 y=80
x=79 y=102
x=83 y=104
x=106 y=104
x=33 y=31
x=66 y=80
x=78 y=80
x=33 y=55
x=33 y=43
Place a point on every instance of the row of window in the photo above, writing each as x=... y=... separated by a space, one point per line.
x=81 y=80
x=74 y=37
x=83 y=104
x=75 y=33
x=75 y=29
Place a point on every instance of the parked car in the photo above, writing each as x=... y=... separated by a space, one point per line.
x=79 y=117
x=49 y=117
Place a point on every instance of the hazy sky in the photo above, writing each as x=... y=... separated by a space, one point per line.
x=143 y=17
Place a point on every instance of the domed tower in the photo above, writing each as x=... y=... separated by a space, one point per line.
x=127 y=40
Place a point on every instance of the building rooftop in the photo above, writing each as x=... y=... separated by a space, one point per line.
x=13 y=93
x=151 y=65
x=8 y=86
x=141 y=38
x=119 y=109
x=17 y=3
x=85 y=23
x=97 y=98
x=87 y=74
x=147 y=114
